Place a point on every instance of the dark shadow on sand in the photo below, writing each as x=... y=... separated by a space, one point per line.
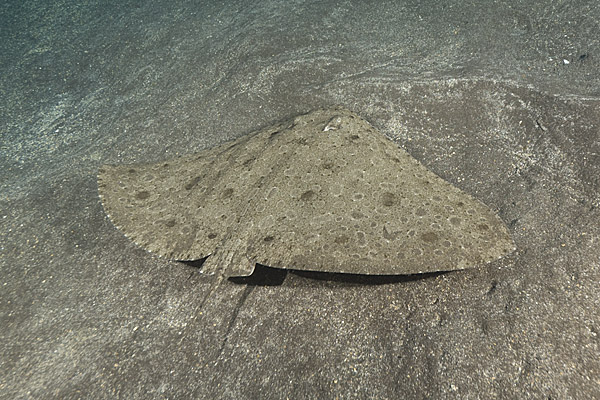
x=268 y=276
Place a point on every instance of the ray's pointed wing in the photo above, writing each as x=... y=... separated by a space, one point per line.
x=350 y=200
x=185 y=208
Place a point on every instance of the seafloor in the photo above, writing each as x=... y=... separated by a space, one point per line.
x=500 y=99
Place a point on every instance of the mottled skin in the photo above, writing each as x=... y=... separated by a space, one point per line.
x=323 y=192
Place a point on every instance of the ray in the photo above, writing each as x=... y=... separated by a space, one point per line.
x=324 y=191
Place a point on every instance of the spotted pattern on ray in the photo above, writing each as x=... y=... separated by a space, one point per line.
x=324 y=191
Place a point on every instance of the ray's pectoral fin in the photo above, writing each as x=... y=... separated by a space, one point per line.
x=229 y=260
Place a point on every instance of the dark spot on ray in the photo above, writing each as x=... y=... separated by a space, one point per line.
x=388 y=199
x=455 y=220
x=131 y=170
x=429 y=237
x=143 y=195
x=212 y=235
x=341 y=239
x=420 y=212
x=357 y=215
x=227 y=193
x=170 y=223
x=190 y=185
x=268 y=238
x=308 y=195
